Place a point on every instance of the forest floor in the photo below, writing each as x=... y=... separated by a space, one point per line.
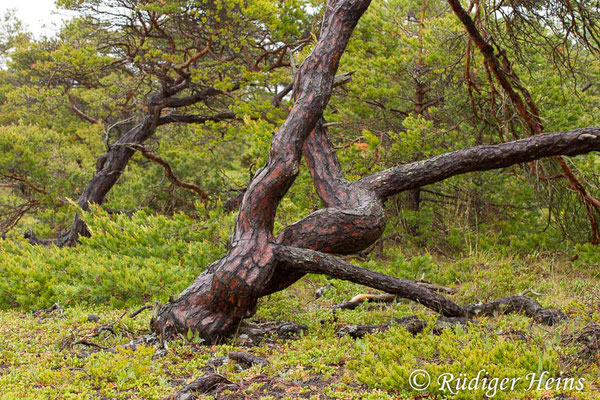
x=66 y=354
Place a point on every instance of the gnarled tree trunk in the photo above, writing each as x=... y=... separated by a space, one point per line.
x=260 y=263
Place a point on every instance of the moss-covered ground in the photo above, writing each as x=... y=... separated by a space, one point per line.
x=64 y=355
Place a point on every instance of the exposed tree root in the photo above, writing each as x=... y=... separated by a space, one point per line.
x=212 y=382
x=412 y=323
x=517 y=304
x=284 y=330
x=203 y=385
x=247 y=359
x=92 y=344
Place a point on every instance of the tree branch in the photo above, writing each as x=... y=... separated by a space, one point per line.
x=229 y=289
x=481 y=158
x=169 y=172
x=314 y=262
x=527 y=109
x=199 y=96
x=31 y=185
x=339 y=80
x=80 y=113
x=194 y=119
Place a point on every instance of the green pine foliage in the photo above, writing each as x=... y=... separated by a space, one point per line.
x=121 y=264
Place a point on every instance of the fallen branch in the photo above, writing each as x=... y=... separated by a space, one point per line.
x=85 y=342
x=412 y=323
x=285 y=330
x=247 y=358
x=362 y=298
x=386 y=297
x=516 y=304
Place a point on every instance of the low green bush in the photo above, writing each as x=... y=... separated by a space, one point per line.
x=127 y=260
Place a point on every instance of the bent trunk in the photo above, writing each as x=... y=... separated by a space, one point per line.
x=109 y=168
x=228 y=291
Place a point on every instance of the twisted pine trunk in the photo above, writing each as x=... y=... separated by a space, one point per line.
x=228 y=291
x=259 y=263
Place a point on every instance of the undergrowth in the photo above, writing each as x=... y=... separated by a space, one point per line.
x=129 y=262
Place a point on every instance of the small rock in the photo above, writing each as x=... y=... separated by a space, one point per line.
x=93 y=318
x=321 y=291
x=244 y=340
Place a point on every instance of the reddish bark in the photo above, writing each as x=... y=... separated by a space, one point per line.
x=218 y=300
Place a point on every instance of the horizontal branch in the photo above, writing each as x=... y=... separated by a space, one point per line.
x=411 y=323
x=195 y=119
x=191 y=99
x=339 y=80
x=73 y=107
x=169 y=172
x=481 y=158
x=31 y=185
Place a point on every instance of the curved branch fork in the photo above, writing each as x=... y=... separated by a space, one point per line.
x=260 y=264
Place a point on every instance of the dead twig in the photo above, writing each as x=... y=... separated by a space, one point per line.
x=54 y=307
x=140 y=310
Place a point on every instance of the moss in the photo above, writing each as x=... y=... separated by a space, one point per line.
x=38 y=359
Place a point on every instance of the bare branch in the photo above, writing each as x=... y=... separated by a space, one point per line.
x=482 y=158
x=80 y=113
x=195 y=119
x=194 y=98
x=169 y=172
